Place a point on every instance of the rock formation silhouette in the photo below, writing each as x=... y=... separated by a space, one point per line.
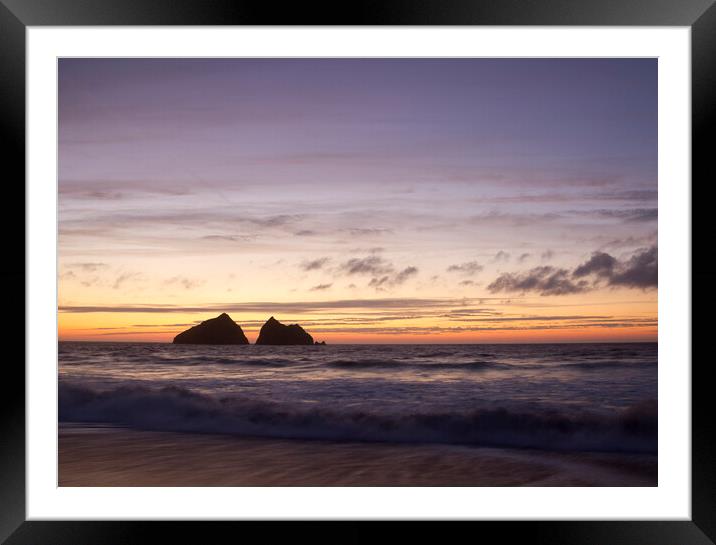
x=276 y=333
x=219 y=330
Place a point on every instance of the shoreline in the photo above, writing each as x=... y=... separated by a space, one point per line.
x=96 y=455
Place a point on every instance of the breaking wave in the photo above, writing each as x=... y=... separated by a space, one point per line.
x=174 y=408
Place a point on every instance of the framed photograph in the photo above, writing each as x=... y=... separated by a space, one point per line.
x=421 y=264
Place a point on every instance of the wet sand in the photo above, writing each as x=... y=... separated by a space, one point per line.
x=111 y=456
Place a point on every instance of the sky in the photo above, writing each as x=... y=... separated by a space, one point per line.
x=369 y=200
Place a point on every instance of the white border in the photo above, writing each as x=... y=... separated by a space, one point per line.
x=670 y=500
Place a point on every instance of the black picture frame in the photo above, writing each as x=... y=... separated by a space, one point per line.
x=17 y=15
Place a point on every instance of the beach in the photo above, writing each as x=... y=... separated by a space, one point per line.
x=96 y=455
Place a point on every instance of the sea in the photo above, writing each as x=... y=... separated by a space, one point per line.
x=574 y=397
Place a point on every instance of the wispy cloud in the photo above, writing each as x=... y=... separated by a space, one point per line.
x=184 y=282
x=501 y=257
x=370 y=265
x=392 y=280
x=87 y=267
x=123 y=278
x=346 y=305
x=630 y=215
x=470 y=268
x=321 y=287
x=314 y=264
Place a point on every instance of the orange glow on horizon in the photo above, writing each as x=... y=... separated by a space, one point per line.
x=115 y=328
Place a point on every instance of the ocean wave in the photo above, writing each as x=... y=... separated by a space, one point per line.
x=178 y=409
x=607 y=364
x=396 y=364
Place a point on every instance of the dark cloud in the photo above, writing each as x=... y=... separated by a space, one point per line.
x=544 y=280
x=391 y=280
x=314 y=264
x=379 y=283
x=547 y=255
x=370 y=265
x=305 y=233
x=470 y=268
x=321 y=287
x=406 y=273
x=467 y=283
x=640 y=271
x=524 y=257
x=600 y=263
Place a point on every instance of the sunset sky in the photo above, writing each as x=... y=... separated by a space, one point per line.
x=369 y=200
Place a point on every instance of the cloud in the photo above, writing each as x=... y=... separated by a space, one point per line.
x=87 y=267
x=314 y=264
x=630 y=215
x=501 y=256
x=406 y=273
x=389 y=281
x=124 y=278
x=228 y=238
x=186 y=283
x=514 y=219
x=524 y=257
x=629 y=195
x=275 y=221
x=341 y=305
x=470 y=268
x=600 y=263
x=547 y=255
x=370 y=265
x=641 y=271
x=362 y=232
x=321 y=287
x=379 y=283
x=467 y=283
x=305 y=233
x=544 y=280
x=630 y=241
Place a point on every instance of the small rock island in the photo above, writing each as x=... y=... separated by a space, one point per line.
x=219 y=330
x=275 y=333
